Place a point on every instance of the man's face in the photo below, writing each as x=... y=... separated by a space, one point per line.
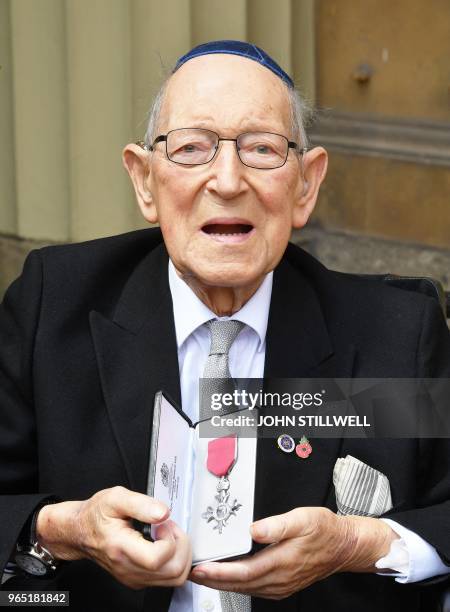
x=225 y=224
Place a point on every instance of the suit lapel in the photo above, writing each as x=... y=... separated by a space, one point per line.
x=298 y=345
x=137 y=356
x=297 y=340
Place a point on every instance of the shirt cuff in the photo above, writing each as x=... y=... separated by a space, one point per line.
x=411 y=556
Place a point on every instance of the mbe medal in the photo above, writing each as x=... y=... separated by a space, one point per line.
x=222 y=455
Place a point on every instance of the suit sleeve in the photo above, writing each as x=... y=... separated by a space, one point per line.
x=19 y=321
x=431 y=517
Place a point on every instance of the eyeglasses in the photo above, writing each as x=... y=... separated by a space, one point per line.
x=197 y=146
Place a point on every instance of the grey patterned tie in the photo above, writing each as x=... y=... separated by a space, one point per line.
x=223 y=334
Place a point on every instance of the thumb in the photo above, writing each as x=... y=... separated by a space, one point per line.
x=279 y=527
x=120 y=503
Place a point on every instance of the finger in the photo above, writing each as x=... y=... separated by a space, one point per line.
x=282 y=526
x=169 y=555
x=141 y=573
x=182 y=544
x=171 y=530
x=220 y=585
x=274 y=586
x=173 y=573
x=177 y=532
x=179 y=564
x=149 y=556
x=251 y=572
x=121 y=502
x=164 y=531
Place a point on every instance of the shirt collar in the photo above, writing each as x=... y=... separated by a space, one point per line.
x=190 y=312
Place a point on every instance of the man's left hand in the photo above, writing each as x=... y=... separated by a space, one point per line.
x=305 y=545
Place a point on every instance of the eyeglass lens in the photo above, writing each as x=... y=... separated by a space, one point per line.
x=194 y=146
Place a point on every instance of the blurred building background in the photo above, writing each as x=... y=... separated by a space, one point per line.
x=77 y=76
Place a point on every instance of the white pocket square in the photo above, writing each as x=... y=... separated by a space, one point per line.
x=360 y=489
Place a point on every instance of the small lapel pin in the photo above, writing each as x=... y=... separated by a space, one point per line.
x=286 y=443
x=304 y=448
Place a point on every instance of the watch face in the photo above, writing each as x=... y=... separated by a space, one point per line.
x=30 y=564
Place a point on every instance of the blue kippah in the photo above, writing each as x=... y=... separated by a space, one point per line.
x=236 y=47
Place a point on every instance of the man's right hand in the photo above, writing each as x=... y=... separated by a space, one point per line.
x=100 y=529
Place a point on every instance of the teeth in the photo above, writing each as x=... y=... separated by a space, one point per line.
x=223 y=234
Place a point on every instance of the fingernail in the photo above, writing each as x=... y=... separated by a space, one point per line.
x=158 y=512
x=199 y=574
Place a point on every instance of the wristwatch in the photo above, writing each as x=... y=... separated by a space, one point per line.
x=30 y=556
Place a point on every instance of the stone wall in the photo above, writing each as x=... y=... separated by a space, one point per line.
x=349 y=252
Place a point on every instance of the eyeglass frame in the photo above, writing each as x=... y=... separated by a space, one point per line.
x=163 y=138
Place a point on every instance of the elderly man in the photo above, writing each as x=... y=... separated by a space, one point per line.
x=90 y=333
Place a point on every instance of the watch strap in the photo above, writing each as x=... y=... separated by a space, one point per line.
x=28 y=538
x=28 y=533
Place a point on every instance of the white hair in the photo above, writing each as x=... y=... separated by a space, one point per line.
x=301 y=115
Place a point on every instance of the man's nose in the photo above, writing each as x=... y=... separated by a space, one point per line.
x=227 y=172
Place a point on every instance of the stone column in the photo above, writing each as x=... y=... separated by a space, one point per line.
x=100 y=116
x=40 y=118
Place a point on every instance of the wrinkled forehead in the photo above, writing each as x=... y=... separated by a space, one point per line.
x=225 y=92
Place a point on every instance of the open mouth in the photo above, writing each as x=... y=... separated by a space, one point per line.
x=228 y=232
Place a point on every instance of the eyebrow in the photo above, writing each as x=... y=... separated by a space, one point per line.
x=250 y=126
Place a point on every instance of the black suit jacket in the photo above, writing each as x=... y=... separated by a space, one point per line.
x=86 y=339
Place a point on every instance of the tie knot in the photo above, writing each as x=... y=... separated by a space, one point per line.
x=223 y=334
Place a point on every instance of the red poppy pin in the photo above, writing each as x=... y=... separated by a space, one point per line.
x=304 y=448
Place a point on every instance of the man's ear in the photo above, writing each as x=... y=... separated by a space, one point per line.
x=315 y=164
x=136 y=162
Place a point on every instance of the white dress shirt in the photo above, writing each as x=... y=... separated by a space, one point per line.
x=411 y=556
